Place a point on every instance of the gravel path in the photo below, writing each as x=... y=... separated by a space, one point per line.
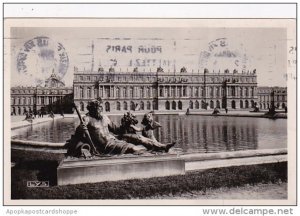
x=248 y=192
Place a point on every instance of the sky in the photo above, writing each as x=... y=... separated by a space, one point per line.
x=37 y=51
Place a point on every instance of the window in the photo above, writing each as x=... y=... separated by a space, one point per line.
x=131 y=92
x=211 y=92
x=81 y=92
x=184 y=91
x=89 y=93
x=107 y=91
x=148 y=105
x=160 y=91
x=118 y=92
x=118 y=105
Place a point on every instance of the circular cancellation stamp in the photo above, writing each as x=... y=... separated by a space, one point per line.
x=39 y=57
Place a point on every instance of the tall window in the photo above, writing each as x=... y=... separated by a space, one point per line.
x=246 y=92
x=81 y=92
x=184 y=91
x=197 y=92
x=218 y=92
x=118 y=92
x=191 y=92
x=211 y=92
x=148 y=105
x=125 y=92
x=233 y=91
x=107 y=91
x=131 y=92
x=89 y=93
x=118 y=105
x=160 y=91
x=148 y=92
x=95 y=93
x=173 y=91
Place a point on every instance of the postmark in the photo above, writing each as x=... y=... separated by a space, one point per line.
x=220 y=53
x=40 y=56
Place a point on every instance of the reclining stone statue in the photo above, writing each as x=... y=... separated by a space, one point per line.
x=100 y=136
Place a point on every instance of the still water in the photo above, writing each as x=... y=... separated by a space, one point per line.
x=192 y=133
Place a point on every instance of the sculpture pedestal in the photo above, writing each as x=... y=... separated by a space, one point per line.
x=114 y=169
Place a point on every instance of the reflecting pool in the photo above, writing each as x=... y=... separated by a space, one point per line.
x=192 y=133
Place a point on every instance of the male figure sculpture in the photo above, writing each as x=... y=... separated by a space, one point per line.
x=100 y=129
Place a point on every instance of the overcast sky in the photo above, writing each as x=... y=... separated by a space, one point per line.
x=263 y=49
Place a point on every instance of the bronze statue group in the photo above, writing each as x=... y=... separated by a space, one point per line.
x=98 y=135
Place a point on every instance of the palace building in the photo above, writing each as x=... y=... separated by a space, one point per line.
x=265 y=95
x=159 y=90
x=53 y=96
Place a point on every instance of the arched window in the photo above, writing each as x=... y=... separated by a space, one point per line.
x=174 y=105
x=191 y=92
x=81 y=106
x=218 y=104
x=233 y=104
x=132 y=106
x=191 y=105
x=180 y=105
x=142 y=105
x=107 y=106
x=197 y=105
x=241 y=104
x=203 y=105
x=125 y=105
x=118 y=105
x=252 y=104
x=241 y=92
x=246 y=104
x=148 y=105
x=167 y=105
x=211 y=104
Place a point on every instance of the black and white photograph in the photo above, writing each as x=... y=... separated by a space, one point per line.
x=150 y=111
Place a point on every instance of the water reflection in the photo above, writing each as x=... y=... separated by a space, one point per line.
x=192 y=133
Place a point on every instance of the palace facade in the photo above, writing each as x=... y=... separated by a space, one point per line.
x=123 y=91
x=265 y=97
x=54 y=95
